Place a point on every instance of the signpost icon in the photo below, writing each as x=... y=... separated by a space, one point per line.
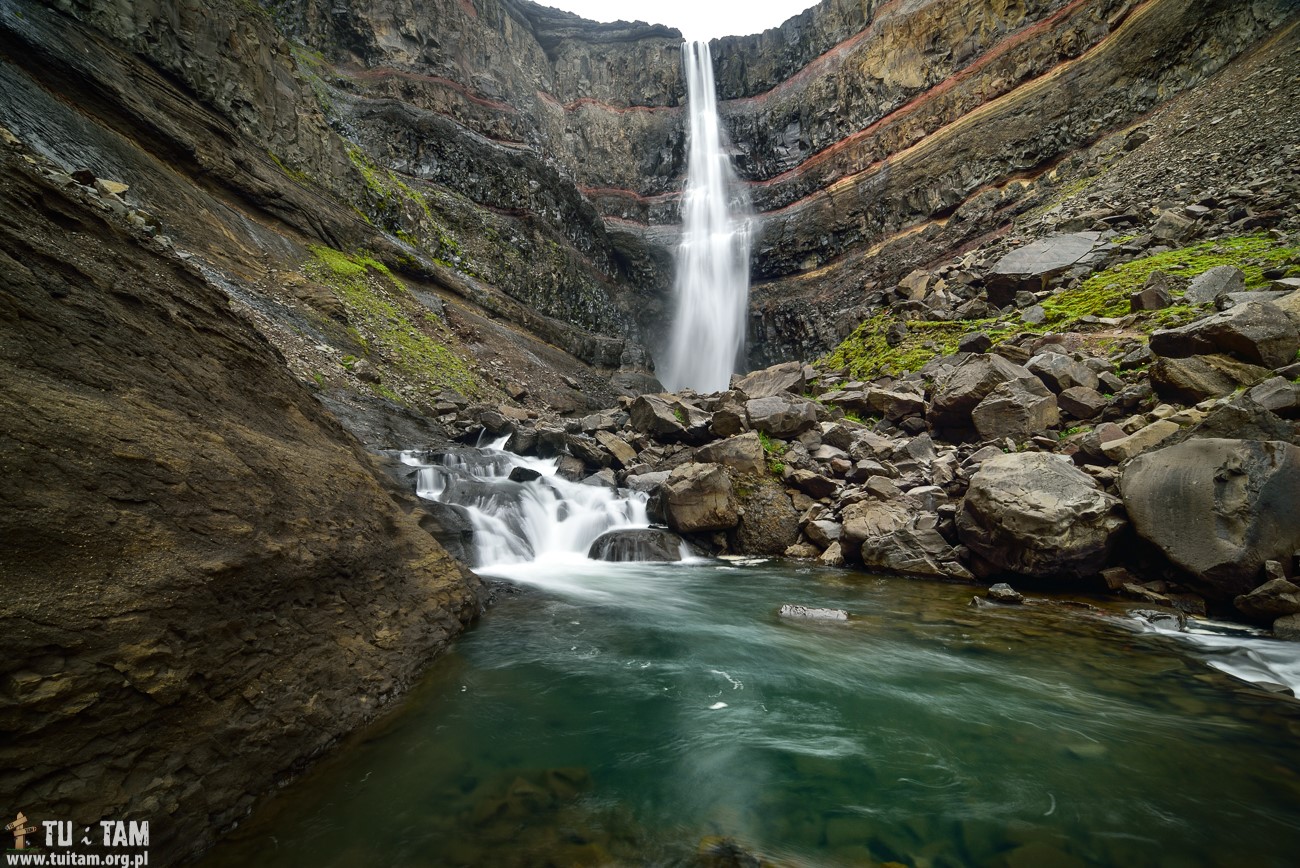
x=21 y=830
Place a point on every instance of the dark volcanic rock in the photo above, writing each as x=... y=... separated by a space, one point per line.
x=1031 y=266
x=1017 y=409
x=1255 y=332
x=1037 y=515
x=1218 y=508
x=1209 y=285
x=781 y=416
x=699 y=497
x=1195 y=378
x=769 y=524
x=958 y=394
x=637 y=544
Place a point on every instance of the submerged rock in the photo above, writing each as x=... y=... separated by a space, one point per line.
x=810 y=613
x=637 y=544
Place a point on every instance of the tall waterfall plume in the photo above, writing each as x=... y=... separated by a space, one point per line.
x=712 y=284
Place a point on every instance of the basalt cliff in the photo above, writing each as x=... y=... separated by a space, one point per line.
x=248 y=249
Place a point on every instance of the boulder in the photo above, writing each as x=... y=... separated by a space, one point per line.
x=1017 y=409
x=647 y=482
x=832 y=557
x=1256 y=332
x=889 y=536
x=637 y=544
x=699 y=497
x=651 y=414
x=895 y=404
x=781 y=416
x=769 y=523
x=1287 y=627
x=1155 y=294
x=786 y=377
x=1124 y=448
x=524 y=474
x=1080 y=402
x=1004 y=593
x=1270 y=601
x=1060 y=372
x=1278 y=395
x=743 y=453
x=813 y=484
x=960 y=392
x=1030 y=267
x=916 y=284
x=624 y=455
x=1035 y=514
x=1209 y=285
x=1195 y=378
x=1218 y=508
x=822 y=532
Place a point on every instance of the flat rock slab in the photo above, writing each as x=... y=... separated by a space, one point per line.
x=808 y=613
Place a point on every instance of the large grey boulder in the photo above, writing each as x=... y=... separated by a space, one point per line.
x=1037 y=515
x=742 y=453
x=960 y=392
x=699 y=497
x=1256 y=332
x=786 y=377
x=1030 y=267
x=1060 y=372
x=781 y=416
x=1017 y=409
x=1217 y=281
x=1195 y=378
x=637 y=544
x=1218 y=508
x=1274 y=599
x=894 y=536
x=657 y=417
x=769 y=523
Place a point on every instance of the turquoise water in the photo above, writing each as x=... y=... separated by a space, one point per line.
x=633 y=714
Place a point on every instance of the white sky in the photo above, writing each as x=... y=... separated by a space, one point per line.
x=696 y=19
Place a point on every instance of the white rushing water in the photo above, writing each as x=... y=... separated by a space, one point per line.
x=546 y=522
x=712 y=283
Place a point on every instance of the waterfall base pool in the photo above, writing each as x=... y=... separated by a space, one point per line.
x=636 y=714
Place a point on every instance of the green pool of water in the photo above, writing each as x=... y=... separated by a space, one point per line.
x=634 y=714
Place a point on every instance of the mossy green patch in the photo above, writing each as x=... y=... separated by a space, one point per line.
x=389 y=322
x=866 y=353
x=1106 y=294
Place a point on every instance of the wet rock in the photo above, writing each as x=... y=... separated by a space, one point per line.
x=1037 y=515
x=637 y=544
x=1218 y=508
x=524 y=474
x=1195 y=378
x=743 y=453
x=1287 y=627
x=1017 y=409
x=1166 y=619
x=810 y=613
x=786 y=377
x=1257 y=332
x=1270 y=601
x=1210 y=285
x=1004 y=593
x=780 y=416
x=833 y=556
x=802 y=551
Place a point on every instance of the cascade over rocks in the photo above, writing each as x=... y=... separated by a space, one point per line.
x=637 y=544
x=1218 y=508
x=1037 y=515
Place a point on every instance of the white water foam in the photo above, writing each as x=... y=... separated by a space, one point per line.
x=712 y=283
x=1244 y=653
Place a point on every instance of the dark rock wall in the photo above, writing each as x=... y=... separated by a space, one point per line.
x=205 y=582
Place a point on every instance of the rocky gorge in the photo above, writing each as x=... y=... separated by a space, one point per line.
x=1026 y=310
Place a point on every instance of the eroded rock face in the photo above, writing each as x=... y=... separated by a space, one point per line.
x=1218 y=508
x=194 y=550
x=699 y=497
x=1037 y=515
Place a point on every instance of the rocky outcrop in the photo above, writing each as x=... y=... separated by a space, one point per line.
x=1218 y=508
x=1037 y=515
x=699 y=497
x=205 y=581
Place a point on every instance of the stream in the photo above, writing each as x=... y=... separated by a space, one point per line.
x=640 y=714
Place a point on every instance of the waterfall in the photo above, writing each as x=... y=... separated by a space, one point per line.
x=712 y=284
x=520 y=510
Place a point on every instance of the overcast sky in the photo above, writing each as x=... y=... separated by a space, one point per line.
x=696 y=19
